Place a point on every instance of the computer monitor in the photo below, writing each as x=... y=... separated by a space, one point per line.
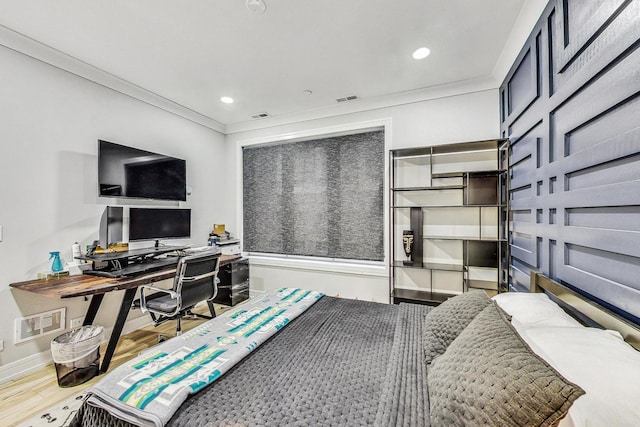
x=158 y=223
x=111 y=226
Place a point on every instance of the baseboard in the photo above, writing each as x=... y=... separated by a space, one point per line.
x=37 y=361
x=25 y=366
x=254 y=293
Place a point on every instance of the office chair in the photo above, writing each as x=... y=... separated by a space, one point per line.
x=196 y=280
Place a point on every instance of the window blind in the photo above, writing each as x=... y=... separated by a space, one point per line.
x=320 y=198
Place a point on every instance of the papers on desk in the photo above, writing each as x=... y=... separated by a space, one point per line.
x=201 y=249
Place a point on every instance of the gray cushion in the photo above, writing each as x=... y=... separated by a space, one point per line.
x=444 y=323
x=162 y=303
x=489 y=376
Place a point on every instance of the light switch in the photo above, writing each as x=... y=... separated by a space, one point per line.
x=0 y=233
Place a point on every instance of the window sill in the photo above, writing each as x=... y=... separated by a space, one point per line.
x=328 y=266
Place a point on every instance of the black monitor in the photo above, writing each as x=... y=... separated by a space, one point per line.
x=159 y=223
x=130 y=172
x=111 y=226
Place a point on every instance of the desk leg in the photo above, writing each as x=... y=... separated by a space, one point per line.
x=212 y=310
x=94 y=305
x=125 y=306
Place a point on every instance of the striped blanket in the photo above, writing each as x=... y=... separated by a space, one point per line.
x=150 y=388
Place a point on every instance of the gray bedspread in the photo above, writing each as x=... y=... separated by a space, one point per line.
x=341 y=363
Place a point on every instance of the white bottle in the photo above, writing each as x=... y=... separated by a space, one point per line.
x=75 y=252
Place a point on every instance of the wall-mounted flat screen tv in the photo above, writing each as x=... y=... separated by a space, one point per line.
x=130 y=172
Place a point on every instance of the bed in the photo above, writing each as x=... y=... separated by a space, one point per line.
x=470 y=361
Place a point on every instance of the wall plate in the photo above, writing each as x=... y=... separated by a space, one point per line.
x=38 y=325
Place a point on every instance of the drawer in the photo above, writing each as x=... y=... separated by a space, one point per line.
x=230 y=249
x=238 y=287
x=234 y=273
x=239 y=297
x=227 y=297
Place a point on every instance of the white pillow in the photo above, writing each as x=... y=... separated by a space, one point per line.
x=533 y=310
x=599 y=361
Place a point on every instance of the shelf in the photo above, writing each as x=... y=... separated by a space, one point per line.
x=141 y=252
x=488 y=172
x=416 y=264
x=419 y=297
x=435 y=188
x=409 y=153
x=443 y=266
x=473 y=146
x=431 y=266
x=469 y=238
x=483 y=284
x=448 y=206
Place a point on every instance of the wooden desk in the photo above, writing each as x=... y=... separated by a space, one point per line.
x=96 y=287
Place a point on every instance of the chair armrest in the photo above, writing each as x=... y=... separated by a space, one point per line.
x=143 y=299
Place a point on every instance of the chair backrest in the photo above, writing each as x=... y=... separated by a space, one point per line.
x=195 y=279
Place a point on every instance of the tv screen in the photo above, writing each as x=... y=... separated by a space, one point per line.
x=156 y=224
x=130 y=172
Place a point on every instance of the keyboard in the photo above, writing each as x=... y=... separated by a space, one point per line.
x=136 y=269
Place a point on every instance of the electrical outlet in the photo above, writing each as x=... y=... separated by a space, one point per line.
x=1 y=345
x=51 y=321
x=76 y=323
x=47 y=321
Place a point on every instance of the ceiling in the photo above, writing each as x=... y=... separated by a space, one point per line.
x=194 y=52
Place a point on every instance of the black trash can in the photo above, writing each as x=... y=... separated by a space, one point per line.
x=76 y=355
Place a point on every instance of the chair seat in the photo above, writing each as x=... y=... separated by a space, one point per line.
x=163 y=303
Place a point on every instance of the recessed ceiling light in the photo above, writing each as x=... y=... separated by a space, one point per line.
x=227 y=100
x=421 y=53
x=256 y=6
x=308 y=92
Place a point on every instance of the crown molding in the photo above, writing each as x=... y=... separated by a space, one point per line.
x=34 y=49
x=366 y=104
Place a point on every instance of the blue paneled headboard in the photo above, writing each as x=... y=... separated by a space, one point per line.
x=571 y=108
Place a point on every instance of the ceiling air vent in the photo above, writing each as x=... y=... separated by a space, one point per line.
x=347 y=98
x=260 y=115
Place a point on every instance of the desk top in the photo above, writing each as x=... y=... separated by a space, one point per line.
x=83 y=285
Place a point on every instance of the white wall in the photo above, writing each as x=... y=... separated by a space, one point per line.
x=50 y=121
x=459 y=118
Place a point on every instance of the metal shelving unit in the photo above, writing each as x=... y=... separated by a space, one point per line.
x=453 y=198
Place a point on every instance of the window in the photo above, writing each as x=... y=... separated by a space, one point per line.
x=321 y=198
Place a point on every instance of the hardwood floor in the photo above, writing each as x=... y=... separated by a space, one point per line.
x=25 y=397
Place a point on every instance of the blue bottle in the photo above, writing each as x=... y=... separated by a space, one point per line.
x=56 y=265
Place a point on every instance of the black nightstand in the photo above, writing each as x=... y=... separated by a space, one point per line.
x=234 y=283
